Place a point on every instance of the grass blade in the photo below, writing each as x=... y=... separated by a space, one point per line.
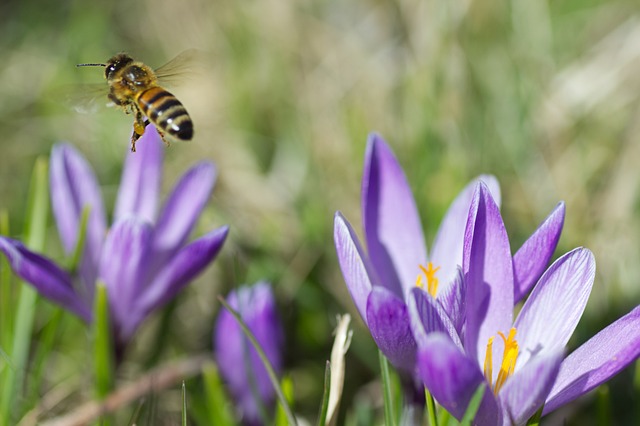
x=535 y=419
x=287 y=390
x=322 y=417
x=103 y=348
x=184 y=404
x=219 y=406
x=35 y=232
x=46 y=342
x=76 y=256
x=473 y=407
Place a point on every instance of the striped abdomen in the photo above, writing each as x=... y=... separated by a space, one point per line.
x=166 y=112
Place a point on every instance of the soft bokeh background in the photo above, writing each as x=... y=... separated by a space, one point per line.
x=545 y=95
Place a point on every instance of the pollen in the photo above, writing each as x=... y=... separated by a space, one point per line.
x=432 y=281
x=509 y=357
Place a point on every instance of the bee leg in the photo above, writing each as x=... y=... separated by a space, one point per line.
x=165 y=140
x=160 y=133
x=134 y=138
x=138 y=130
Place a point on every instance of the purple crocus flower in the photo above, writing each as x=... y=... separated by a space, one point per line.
x=520 y=363
x=396 y=264
x=238 y=361
x=144 y=259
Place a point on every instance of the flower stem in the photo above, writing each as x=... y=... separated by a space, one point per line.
x=389 y=412
x=431 y=408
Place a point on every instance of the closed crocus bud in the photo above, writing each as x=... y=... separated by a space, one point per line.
x=238 y=361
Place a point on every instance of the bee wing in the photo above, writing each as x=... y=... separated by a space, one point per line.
x=84 y=98
x=184 y=64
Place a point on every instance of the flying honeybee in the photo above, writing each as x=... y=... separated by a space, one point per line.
x=135 y=88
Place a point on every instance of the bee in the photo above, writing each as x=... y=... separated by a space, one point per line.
x=134 y=87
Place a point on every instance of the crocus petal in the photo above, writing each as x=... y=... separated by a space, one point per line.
x=552 y=311
x=238 y=361
x=123 y=267
x=427 y=316
x=599 y=359
x=452 y=300
x=488 y=271
x=355 y=266
x=74 y=186
x=141 y=176
x=447 y=246
x=50 y=281
x=182 y=209
x=187 y=264
x=524 y=393
x=452 y=378
x=395 y=240
x=388 y=322
x=533 y=257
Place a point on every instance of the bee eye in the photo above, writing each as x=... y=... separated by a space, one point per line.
x=109 y=70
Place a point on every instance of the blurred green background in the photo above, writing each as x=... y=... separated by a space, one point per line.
x=545 y=95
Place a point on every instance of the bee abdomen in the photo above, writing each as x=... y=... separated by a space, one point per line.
x=167 y=112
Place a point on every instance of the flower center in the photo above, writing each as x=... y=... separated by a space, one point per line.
x=432 y=281
x=509 y=357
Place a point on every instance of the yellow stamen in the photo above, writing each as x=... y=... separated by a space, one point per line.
x=432 y=281
x=509 y=357
x=488 y=361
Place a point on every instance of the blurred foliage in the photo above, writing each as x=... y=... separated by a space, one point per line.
x=545 y=95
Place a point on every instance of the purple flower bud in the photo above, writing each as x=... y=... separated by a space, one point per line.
x=237 y=359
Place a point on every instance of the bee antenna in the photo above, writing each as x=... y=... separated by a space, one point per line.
x=91 y=65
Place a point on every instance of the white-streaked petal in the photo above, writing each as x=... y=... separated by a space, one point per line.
x=354 y=264
x=598 y=360
x=552 y=311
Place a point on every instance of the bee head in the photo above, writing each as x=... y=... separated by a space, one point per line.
x=115 y=64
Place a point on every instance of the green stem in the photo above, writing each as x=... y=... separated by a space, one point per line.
x=6 y=296
x=431 y=408
x=389 y=416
